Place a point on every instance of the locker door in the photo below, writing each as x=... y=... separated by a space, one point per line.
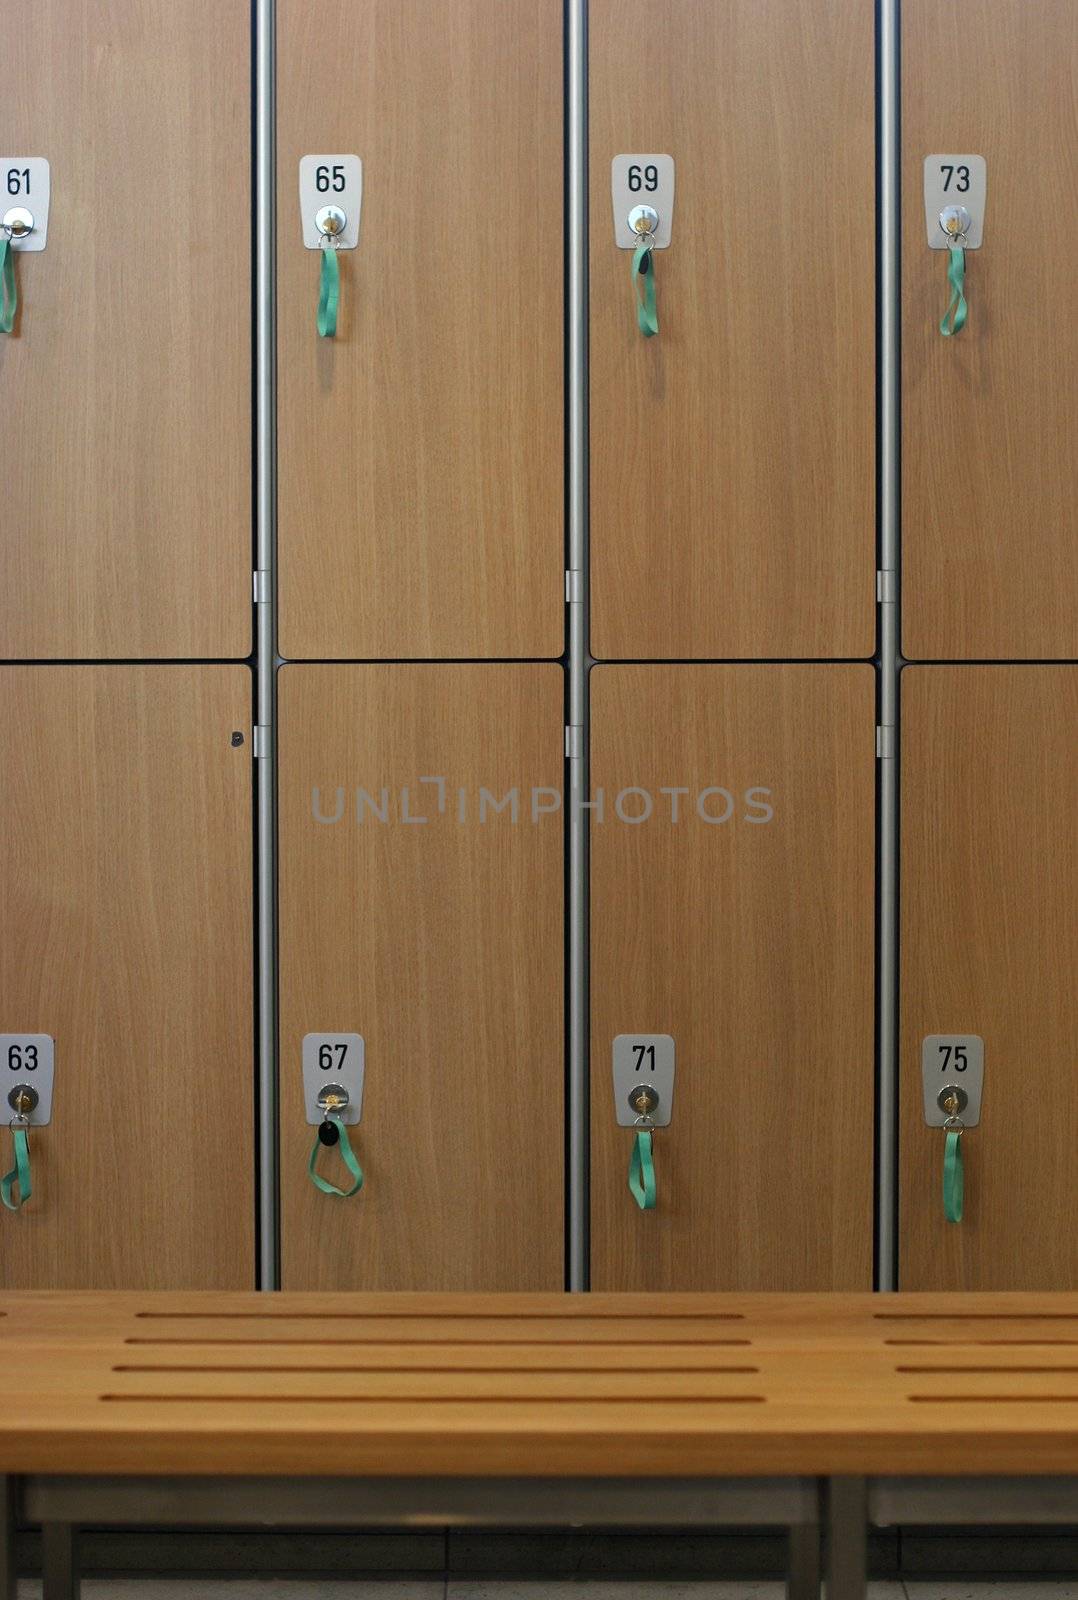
x=126 y=877
x=732 y=456
x=125 y=453
x=990 y=561
x=749 y=941
x=440 y=943
x=990 y=948
x=421 y=493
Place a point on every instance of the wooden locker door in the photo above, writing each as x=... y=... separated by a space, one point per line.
x=750 y=941
x=421 y=482
x=440 y=943
x=990 y=947
x=732 y=456
x=125 y=453
x=126 y=876
x=990 y=559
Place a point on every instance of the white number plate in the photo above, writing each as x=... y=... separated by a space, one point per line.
x=330 y=181
x=644 y=1058
x=642 y=181
x=24 y=181
x=333 y=1058
x=952 y=1058
x=955 y=181
x=28 y=1058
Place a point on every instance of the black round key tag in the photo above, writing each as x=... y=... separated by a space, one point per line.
x=328 y=1132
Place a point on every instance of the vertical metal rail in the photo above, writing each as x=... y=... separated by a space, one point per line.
x=579 y=658
x=265 y=626
x=890 y=662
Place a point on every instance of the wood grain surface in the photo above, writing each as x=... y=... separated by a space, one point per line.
x=540 y=1385
x=125 y=868
x=990 y=947
x=989 y=483
x=750 y=942
x=421 y=481
x=441 y=944
x=125 y=454
x=732 y=456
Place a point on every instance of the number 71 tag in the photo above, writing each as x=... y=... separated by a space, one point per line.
x=644 y=1058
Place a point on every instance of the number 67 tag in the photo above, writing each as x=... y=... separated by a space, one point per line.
x=952 y=1059
x=337 y=1059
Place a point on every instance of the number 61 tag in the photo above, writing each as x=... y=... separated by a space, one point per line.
x=333 y=1058
x=952 y=1059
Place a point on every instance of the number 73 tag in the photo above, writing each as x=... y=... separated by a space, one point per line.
x=955 y=181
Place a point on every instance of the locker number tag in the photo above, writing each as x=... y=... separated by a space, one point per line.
x=24 y=186
x=952 y=1058
x=644 y=1058
x=333 y=1058
x=642 y=181
x=27 y=1061
x=955 y=181
x=330 y=181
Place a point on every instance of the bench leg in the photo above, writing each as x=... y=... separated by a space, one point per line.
x=803 y=1562
x=7 y=1538
x=847 y=1539
x=59 y=1561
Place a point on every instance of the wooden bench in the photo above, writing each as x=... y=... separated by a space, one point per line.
x=635 y=1411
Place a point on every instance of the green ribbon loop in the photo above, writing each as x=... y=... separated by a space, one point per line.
x=329 y=293
x=642 y=1172
x=19 y=1174
x=347 y=1156
x=954 y=318
x=9 y=294
x=643 y=276
x=953 y=1178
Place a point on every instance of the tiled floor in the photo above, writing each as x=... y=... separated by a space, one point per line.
x=581 y=1589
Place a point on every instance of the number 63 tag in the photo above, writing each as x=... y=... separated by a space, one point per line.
x=336 y=1058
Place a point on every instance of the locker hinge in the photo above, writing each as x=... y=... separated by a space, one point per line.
x=574 y=586
x=574 y=741
x=261 y=741
x=261 y=586
x=885 y=742
x=886 y=586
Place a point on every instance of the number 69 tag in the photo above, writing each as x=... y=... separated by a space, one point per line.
x=333 y=1058
x=644 y=1058
x=642 y=181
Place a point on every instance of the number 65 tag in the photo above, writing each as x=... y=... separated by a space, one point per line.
x=330 y=181
x=333 y=1058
